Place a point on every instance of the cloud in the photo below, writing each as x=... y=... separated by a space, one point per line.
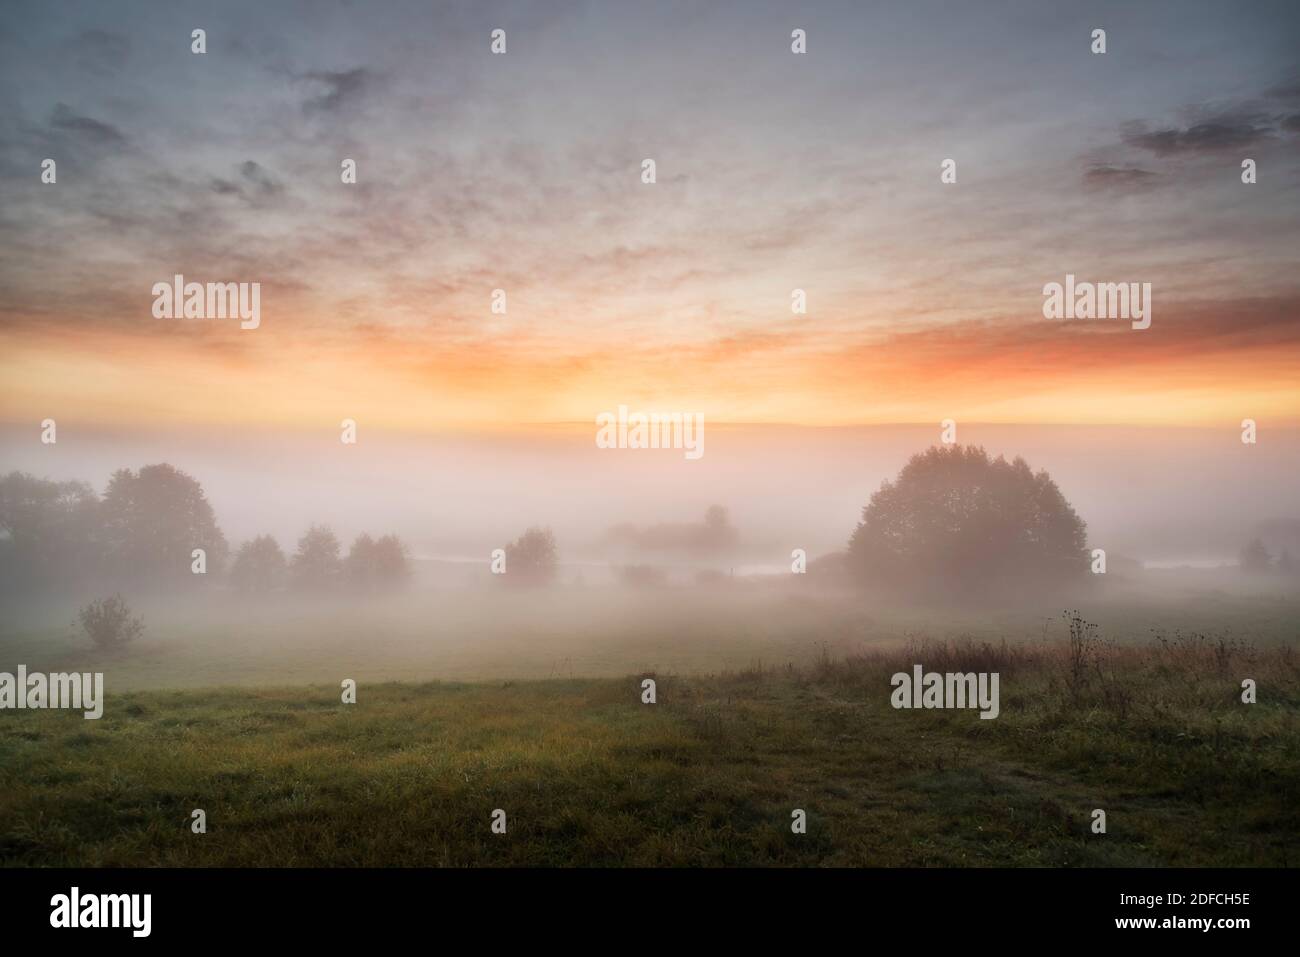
x=1208 y=129
x=257 y=186
x=338 y=89
x=1232 y=348
x=1288 y=91
x=1106 y=176
x=1197 y=331
x=64 y=120
x=1212 y=136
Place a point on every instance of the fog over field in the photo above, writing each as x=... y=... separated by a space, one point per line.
x=1157 y=494
x=337 y=343
x=633 y=591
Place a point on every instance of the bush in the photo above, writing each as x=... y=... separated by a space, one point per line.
x=531 y=560
x=109 y=624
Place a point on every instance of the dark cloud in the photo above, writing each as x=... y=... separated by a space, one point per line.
x=256 y=186
x=1210 y=136
x=338 y=89
x=1288 y=91
x=64 y=120
x=260 y=179
x=1213 y=128
x=1105 y=176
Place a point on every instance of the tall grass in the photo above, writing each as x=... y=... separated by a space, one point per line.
x=1155 y=733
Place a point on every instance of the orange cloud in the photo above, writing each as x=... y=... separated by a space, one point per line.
x=1196 y=365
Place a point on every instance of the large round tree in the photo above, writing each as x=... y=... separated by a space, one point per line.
x=153 y=519
x=956 y=521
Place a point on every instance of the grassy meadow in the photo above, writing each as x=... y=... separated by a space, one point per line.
x=785 y=706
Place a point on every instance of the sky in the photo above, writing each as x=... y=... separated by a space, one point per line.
x=522 y=172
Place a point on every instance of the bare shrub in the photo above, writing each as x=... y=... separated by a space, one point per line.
x=1081 y=651
x=532 y=559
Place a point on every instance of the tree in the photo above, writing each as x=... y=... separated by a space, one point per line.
x=360 y=567
x=49 y=532
x=1255 y=558
x=376 y=563
x=711 y=535
x=531 y=560
x=154 y=519
x=718 y=531
x=316 y=564
x=259 y=566
x=957 y=521
x=392 y=561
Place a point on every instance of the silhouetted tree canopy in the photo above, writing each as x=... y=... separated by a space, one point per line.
x=956 y=521
x=718 y=530
x=392 y=560
x=713 y=534
x=153 y=519
x=259 y=566
x=377 y=563
x=316 y=564
x=56 y=535
x=531 y=560
x=49 y=532
x=1255 y=557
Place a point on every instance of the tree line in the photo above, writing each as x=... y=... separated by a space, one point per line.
x=1255 y=558
x=955 y=520
x=145 y=529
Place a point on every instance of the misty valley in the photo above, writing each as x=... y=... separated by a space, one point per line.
x=963 y=657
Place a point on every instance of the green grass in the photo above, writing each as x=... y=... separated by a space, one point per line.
x=588 y=775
